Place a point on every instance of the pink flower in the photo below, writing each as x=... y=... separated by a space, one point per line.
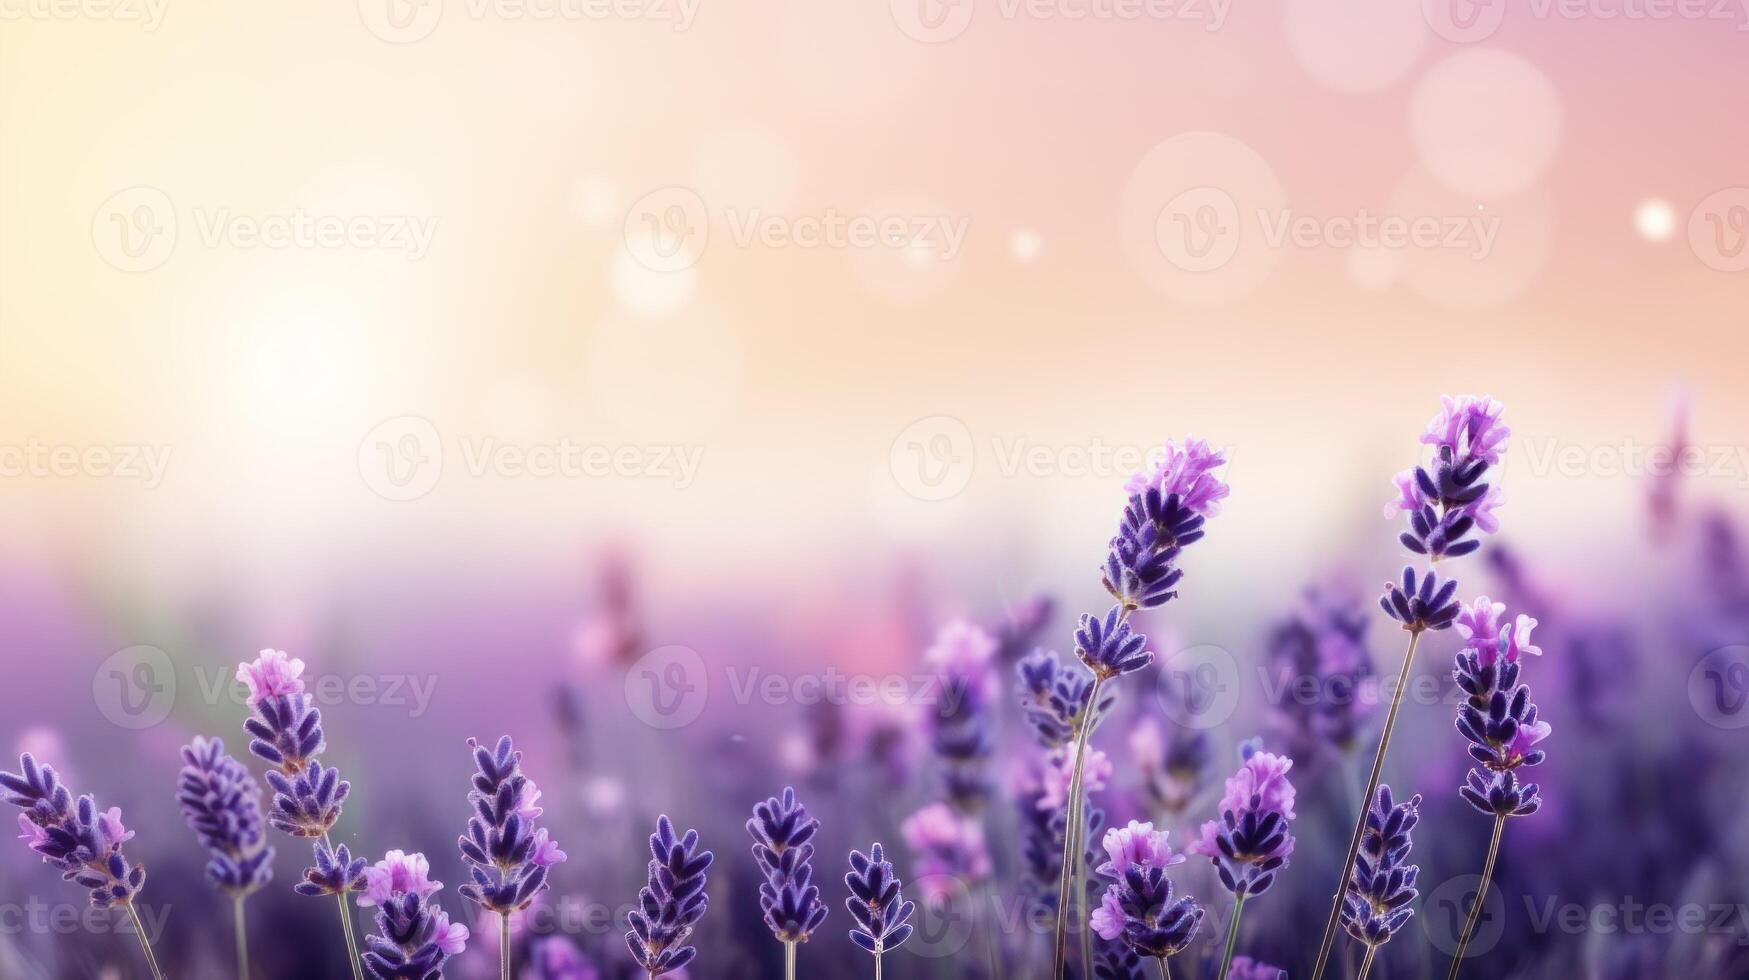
x=1108 y=918
x=1137 y=845
x=528 y=801
x=964 y=655
x=397 y=874
x=1517 y=639
x=950 y=851
x=1409 y=496
x=29 y=832
x=110 y=826
x=1147 y=746
x=1525 y=739
x=1264 y=775
x=1188 y=472
x=546 y=850
x=1480 y=619
x=1483 y=510
x=1060 y=773
x=452 y=937
x=271 y=675
x=1469 y=424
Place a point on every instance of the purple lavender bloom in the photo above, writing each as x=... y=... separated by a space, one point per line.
x=336 y=872
x=1187 y=473
x=1381 y=886
x=1116 y=961
x=782 y=830
x=1171 y=765
x=222 y=802
x=285 y=730
x=1251 y=842
x=308 y=804
x=964 y=658
x=557 y=958
x=506 y=854
x=1109 y=647
x=1053 y=697
x=1042 y=829
x=1138 y=908
x=1323 y=644
x=414 y=936
x=1500 y=794
x=950 y=848
x=1449 y=498
x=1421 y=603
x=1165 y=513
x=1246 y=968
x=1020 y=629
x=882 y=915
x=73 y=836
x=670 y=903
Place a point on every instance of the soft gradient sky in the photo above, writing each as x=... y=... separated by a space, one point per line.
x=277 y=378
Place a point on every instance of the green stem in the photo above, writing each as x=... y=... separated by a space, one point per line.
x=1232 y=938
x=504 y=945
x=1366 y=963
x=242 y=939
x=1074 y=840
x=789 y=961
x=1372 y=786
x=145 y=944
x=1481 y=894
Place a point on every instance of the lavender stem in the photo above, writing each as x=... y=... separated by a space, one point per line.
x=1073 y=838
x=346 y=930
x=242 y=939
x=1366 y=962
x=1232 y=937
x=789 y=961
x=504 y=945
x=1165 y=970
x=1372 y=787
x=1481 y=893
x=145 y=944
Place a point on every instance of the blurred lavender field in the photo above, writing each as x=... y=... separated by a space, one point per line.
x=896 y=715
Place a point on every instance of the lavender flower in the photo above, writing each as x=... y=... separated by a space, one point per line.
x=1449 y=498
x=287 y=732
x=1498 y=718
x=949 y=847
x=1043 y=827
x=1251 y=842
x=222 y=803
x=79 y=840
x=964 y=657
x=1116 y=961
x=671 y=903
x=1319 y=657
x=882 y=915
x=336 y=872
x=1429 y=606
x=73 y=837
x=781 y=830
x=506 y=854
x=1381 y=886
x=1020 y=629
x=1246 y=968
x=1171 y=765
x=1138 y=907
x=414 y=936
x=557 y=958
x=1054 y=697
x=1108 y=646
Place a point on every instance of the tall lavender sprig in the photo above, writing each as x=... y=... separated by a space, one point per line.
x=1251 y=841
x=506 y=854
x=414 y=936
x=1450 y=502
x=782 y=833
x=78 y=840
x=222 y=802
x=1166 y=511
x=963 y=657
x=883 y=917
x=286 y=731
x=1381 y=885
x=1501 y=724
x=670 y=903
